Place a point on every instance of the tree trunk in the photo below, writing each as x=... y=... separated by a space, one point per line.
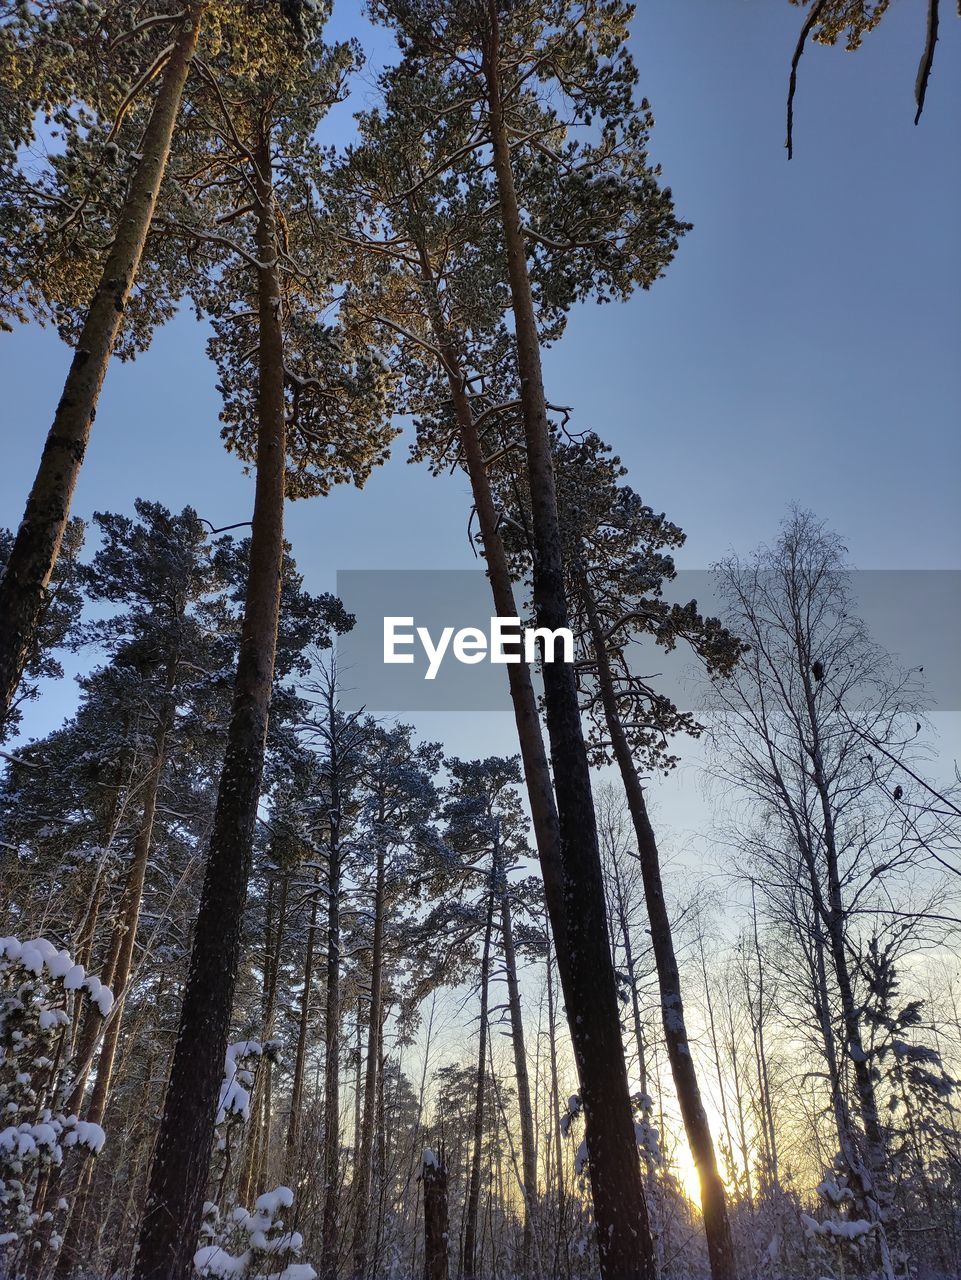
x=128 y=918
x=469 y=1256
x=874 y=1176
x=258 y=1134
x=625 y=1248
x=717 y=1227
x=767 y=1111
x=168 y=1234
x=528 y=1143
x=300 y=1058
x=37 y=545
x=630 y=963
x=436 y=1221
x=87 y=933
x=559 y=1241
x=331 y=1154
x=379 y=1165
x=537 y=774
x=365 y=1158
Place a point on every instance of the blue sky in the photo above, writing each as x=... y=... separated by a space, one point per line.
x=802 y=348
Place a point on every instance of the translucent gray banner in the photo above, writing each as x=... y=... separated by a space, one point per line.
x=915 y=614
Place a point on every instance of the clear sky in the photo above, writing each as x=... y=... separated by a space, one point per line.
x=804 y=346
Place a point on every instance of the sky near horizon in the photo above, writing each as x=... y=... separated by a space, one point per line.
x=803 y=347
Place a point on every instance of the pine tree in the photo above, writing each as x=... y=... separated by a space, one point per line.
x=36 y=547
x=267 y=93
x=459 y=50
x=616 y=552
x=399 y=799
x=59 y=613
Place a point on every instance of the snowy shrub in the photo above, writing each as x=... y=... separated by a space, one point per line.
x=39 y=986
x=240 y=1066
x=251 y=1246
x=842 y=1236
x=233 y=1106
x=645 y=1131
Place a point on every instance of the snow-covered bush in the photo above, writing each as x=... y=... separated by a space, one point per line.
x=240 y=1245
x=39 y=986
x=240 y=1066
x=645 y=1131
x=844 y=1237
x=233 y=1107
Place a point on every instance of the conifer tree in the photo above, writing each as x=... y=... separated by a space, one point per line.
x=37 y=544
x=498 y=67
x=616 y=553
x=59 y=613
x=399 y=798
x=265 y=96
x=175 y=639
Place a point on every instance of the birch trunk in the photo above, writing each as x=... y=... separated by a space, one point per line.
x=436 y=1221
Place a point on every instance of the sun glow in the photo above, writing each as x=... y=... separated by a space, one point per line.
x=686 y=1171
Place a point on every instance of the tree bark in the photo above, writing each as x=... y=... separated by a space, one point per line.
x=625 y=1247
x=717 y=1226
x=365 y=1158
x=300 y=1058
x=168 y=1234
x=37 y=544
x=537 y=774
x=258 y=1134
x=436 y=1220
x=331 y=1153
x=469 y=1254
x=528 y=1143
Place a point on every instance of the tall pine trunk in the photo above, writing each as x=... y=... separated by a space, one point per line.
x=330 y=1230
x=365 y=1160
x=37 y=544
x=717 y=1226
x=537 y=774
x=436 y=1218
x=625 y=1247
x=469 y=1254
x=168 y=1234
x=292 y=1158
x=525 y=1112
